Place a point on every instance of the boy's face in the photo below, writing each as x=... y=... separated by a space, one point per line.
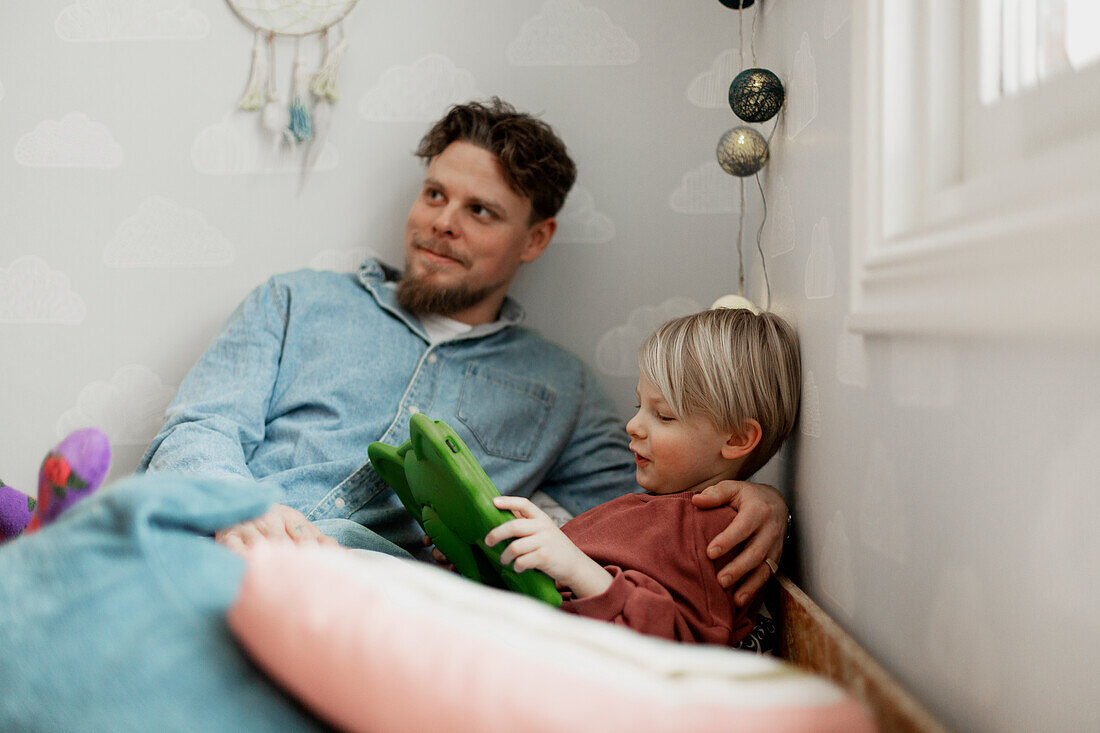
x=674 y=453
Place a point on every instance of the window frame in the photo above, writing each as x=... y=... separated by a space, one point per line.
x=1010 y=250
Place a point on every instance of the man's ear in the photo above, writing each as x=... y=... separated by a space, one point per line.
x=538 y=237
x=744 y=441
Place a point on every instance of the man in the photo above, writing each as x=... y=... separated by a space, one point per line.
x=314 y=366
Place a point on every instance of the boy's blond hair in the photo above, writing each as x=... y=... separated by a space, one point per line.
x=729 y=365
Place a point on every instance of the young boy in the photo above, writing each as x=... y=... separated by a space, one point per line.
x=718 y=393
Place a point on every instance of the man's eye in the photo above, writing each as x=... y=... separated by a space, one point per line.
x=432 y=194
x=481 y=212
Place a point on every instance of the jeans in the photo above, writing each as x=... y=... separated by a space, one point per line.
x=355 y=536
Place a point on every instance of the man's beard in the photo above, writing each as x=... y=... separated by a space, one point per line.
x=416 y=295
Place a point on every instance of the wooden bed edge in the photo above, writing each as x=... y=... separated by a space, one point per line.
x=810 y=639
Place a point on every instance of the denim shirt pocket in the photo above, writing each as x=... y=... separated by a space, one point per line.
x=505 y=412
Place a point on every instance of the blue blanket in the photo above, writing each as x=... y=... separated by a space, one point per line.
x=113 y=617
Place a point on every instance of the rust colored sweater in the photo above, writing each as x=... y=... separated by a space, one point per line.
x=655 y=547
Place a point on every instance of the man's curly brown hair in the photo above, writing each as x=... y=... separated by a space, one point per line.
x=533 y=159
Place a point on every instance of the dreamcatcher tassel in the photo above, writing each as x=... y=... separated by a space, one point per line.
x=322 y=116
x=300 y=124
x=323 y=84
x=323 y=88
x=276 y=117
x=255 y=95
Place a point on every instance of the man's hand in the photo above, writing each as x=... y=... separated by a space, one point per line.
x=439 y=558
x=278 y=523
x=541 y=545
x=761 y=523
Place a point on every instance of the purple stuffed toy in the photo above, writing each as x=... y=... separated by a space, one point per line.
x=16 y=510
x=72 y=470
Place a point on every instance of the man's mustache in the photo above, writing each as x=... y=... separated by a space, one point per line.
x=439 y=248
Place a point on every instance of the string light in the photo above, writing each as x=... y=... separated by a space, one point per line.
x=755 y=95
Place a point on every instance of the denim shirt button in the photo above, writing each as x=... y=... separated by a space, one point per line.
x=432 y=358
x=413 y=410
x=339 y=502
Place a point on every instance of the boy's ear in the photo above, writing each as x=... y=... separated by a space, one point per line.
x=744 y=441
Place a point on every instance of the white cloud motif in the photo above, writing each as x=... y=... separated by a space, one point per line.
x=706 y=190
x=238 y=145
x=31 y=292
x=711 y=88
x=851 y=360
x=809 y=412
x=835 y=16
x=617 y=350
x=341 y=260
x=801 y=100
x=881 y=509
x=838 y=580
x=568 y=33
x=821 y=264
x=131 y=20
x=129 y=407
x=164 y=234
x=779 y=229
x=418 y=93
x=73 y=142
x=580 y=223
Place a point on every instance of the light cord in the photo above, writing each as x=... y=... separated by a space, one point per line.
x=760 y=247
x=741 y=36
x=752 y=42
x=759 y=185
x=740 y=229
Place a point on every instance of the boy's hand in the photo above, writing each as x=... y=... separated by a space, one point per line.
x=540 y=545
x=761 y=523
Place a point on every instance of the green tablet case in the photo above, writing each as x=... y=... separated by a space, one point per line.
x=447 y=491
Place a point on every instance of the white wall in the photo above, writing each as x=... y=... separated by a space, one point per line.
x=125 y=148
x=944 y=490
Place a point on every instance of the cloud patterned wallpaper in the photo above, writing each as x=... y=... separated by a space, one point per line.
x=146 y=204
x=72 y=142
x=942 y=489
x=32 y=293
x=130 y=20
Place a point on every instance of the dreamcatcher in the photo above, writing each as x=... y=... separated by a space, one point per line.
x=304 y=116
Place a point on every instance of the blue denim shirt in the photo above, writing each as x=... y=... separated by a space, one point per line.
x=313 y=366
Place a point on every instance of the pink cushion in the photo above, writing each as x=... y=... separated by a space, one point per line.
x=371 y=643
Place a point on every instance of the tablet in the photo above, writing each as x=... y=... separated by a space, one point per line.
x=449 y=494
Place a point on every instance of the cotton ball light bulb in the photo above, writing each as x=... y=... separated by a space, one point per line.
x=742 y=151
x=756 y=95
x=735 y=302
